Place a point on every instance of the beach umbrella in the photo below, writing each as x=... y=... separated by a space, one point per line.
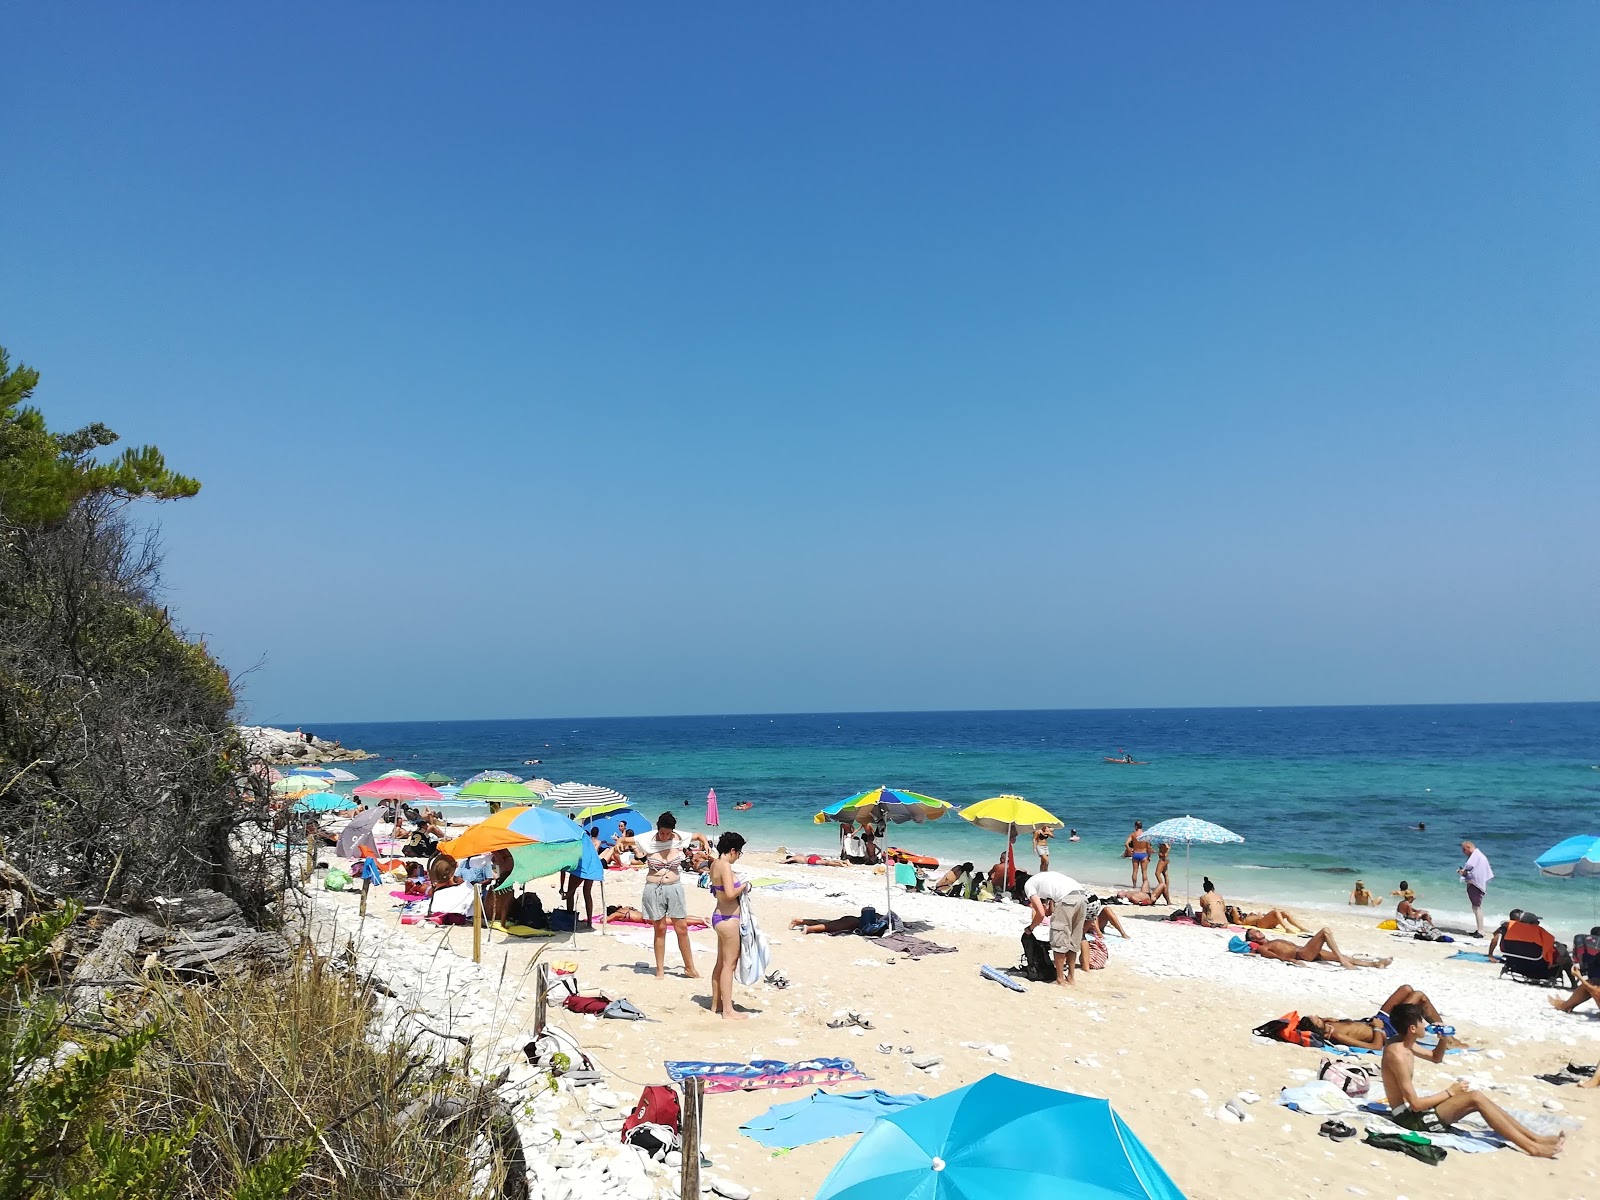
x=295 y=785
x=315 y=802
x=399 y=774
x=436 y=779
x=395 y=787
x=340 y=775
x=891 y=804
x=496 y=791
x=493 y=777
x=1190 y=831
x=315 y=773
x=1575 y=858
x=1008 y=814
x=711 y=808
x=1000 y=1139
x=607 y=822
x=542 y=786
x=358 y=833
x=571 y=795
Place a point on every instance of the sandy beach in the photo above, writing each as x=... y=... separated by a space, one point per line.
x=1163 y=1032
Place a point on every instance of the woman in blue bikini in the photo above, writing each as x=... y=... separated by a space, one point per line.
x=1138 y=848
x=727 y=889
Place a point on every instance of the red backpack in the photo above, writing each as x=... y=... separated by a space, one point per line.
x=658 y=1105
x=585 y=1004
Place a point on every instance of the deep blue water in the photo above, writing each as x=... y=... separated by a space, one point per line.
x=1321 y=795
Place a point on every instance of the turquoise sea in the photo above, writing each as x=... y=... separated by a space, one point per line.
x=1322 y=796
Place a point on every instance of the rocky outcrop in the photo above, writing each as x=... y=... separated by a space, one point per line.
x=282 y=747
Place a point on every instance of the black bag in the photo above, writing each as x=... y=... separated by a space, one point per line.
x=527 y=910
x=1037 y=963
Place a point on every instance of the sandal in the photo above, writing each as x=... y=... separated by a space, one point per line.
x=1336 y=1131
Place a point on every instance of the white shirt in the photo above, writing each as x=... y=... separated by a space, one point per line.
x=1052 y=886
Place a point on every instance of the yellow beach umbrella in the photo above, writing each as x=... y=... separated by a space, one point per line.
x=1008 y=814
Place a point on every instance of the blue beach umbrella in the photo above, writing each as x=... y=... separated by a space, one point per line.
x=1190 y=831
x=1574 y=858
x=323 y=802
x=607 y=823
x=316 y=773
x=1000 y=1139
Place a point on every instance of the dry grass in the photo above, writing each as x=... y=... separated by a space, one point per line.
x=264 y=1062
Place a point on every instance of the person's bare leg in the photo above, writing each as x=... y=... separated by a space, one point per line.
x=1320 y=948
x=1580 y=994
x=1109 y=917
x=588 y=900
x=684 y=948
x=1502 y=1122
x=728 y=955
x=1064 y=964
x=661 y=948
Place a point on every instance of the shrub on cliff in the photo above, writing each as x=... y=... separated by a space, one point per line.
x=120 y=770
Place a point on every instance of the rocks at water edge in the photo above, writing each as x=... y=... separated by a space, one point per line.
x=283 y=748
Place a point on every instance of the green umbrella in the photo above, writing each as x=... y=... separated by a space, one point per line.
x=293 y=785
x=498 y=790
x=436 y=778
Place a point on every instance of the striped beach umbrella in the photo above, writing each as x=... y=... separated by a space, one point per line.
x=1190 y=831
x=582 y=795
x=397 y=773
x=493 y=777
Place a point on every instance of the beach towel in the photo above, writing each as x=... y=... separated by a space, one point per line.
x=694 y=923
x=1001 y=978
x=1470 y=956
x=762 y=1073
x=904 y=943
x=1237 y=945
x=408 y=896
x=755 y=956
x=824 y=1115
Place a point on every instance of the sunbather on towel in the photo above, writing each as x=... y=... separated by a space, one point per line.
x=1273 y=918
x=826 y=925
x=1376 y=1032
x=1321 y=948
x=812 y=860
x=1436 y=1113
x=1139 y=896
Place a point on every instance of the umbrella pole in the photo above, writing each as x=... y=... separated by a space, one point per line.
x=477 y=925
x=604 y=920
x=1188 y=890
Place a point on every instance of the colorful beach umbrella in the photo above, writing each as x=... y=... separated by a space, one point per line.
x=314 y=802
x=397 y=773
x=1575 y=858
x=395 y=787
x=540 y=842
x=893 y=804
x=1190 y=831
x=608 y=822
x=493 y=777
x=315 y=773
x=1000 y=1139
x=496 y=791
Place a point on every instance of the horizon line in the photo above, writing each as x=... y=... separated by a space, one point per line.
x=910 y=712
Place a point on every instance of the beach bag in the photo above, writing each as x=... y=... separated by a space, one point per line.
x=1350 y=1078
x=527 y=909
x=1289 y=1028
x=658 y=1105
x=585 y=1004
x=622 y=1010
x=1097 y=955
x=336 y=880
x=1037 y=965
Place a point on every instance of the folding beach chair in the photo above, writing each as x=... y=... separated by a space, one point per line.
x=1530 y=954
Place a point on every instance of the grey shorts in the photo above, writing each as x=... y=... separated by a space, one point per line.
x=1066 y=925
x=664 y=900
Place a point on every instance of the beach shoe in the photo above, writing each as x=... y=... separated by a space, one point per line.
x=858 y=1019
x=1336 y=1131
x=840 y=1024
x=885 y=1048
x=1577 y=1070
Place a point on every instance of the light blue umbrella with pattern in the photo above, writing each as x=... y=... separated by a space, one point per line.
x=1190 y=831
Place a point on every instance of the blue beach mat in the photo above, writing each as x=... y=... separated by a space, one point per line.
x=1470 y=956
x=1001 y=978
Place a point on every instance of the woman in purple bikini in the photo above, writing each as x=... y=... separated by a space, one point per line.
x=727 y=889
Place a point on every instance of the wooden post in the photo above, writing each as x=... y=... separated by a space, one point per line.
x=366 y=886
x=541 y=997
x=694 y=1090
x=311 y=847
x=477 y=925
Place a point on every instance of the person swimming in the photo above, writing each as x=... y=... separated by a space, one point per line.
x=1072 y=835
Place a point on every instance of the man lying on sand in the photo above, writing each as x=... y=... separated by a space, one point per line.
x=1436 y=1113
x=1379 y=1030
x=1321 y=948
x=812 y=860
x=826 y=924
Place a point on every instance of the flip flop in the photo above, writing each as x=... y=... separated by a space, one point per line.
x=1336 y=1131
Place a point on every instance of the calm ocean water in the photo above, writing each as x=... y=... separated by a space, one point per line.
x=1321 y=795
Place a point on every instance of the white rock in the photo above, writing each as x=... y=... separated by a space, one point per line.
x=730 y=1189
x=1555 y=1105
x=605 y=1097
x=1002 y=1052
x=1198 y=1094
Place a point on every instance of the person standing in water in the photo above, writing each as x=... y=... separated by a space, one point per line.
x=1138 y=849
x=726 y=887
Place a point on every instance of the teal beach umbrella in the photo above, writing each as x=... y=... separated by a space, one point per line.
x=1000 y=1139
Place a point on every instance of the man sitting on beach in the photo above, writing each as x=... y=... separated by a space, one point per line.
x=1321 y=948
x=1436 y=1113
x=1378 y=1030
x=1406 y=907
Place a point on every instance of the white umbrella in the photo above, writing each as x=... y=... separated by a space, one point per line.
x=582 y=795
x=340 y=775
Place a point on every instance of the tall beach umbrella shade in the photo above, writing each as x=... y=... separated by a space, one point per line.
x=712 y=817
x=892 y=804
x=397 y=773
x=436 y=779
x=340 y=775
x=1009 y=815
x=1576 y=858
x=294 y=785
x=1190 y=831
x=315 y=802
x=1000 y=1139
x=571 y=795
x=316 y=773
x=497 y=791
x=493 y=777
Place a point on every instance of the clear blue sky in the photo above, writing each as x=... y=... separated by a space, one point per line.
x=590 y=359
